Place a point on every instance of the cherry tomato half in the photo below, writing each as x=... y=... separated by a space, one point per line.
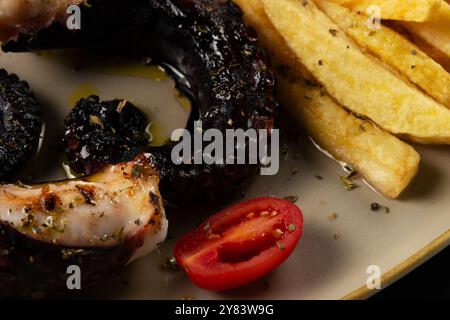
x=240 y=244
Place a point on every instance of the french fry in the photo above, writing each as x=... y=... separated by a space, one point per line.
x=427 y=48
x=403 y=10
x=269 y=38
x=434 y=15
x=371 y=153
x=355 y=80
x=393 y=49
x=436 y=33
x=436 y=54
x=444 y=11
x=387 y=163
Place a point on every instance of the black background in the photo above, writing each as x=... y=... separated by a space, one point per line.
x=429 y=281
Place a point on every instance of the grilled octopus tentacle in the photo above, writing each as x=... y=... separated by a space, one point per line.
x=206 y=40
x=98 y=223
x=226 y=78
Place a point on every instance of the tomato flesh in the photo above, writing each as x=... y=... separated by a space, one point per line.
x=240 y=244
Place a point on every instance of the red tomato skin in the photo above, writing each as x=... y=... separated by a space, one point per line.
x=208 y=273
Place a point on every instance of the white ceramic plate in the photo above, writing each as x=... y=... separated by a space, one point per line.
x=332 y=258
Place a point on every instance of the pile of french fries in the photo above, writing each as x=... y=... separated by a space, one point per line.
x=360 y=75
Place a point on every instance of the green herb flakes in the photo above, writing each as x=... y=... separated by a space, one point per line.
x=292 y=227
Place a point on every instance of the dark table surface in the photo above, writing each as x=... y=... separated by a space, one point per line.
x=429 y=281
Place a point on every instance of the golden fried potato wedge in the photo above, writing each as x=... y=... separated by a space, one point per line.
x=436 y=33
x=433 y=52
x=269 y=37
x=393 y=49
x=429 y=50
x=444 y=11
x=301 y=100
x=355 y=80
x=403 y=10
x=431 y=22
x=387 y=163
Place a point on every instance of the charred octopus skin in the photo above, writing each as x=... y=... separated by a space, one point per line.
x=20 y=124
x=98 y=133
x=99 y=224
x=226 y=75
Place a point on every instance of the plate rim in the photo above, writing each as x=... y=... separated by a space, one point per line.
x=403 y=268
